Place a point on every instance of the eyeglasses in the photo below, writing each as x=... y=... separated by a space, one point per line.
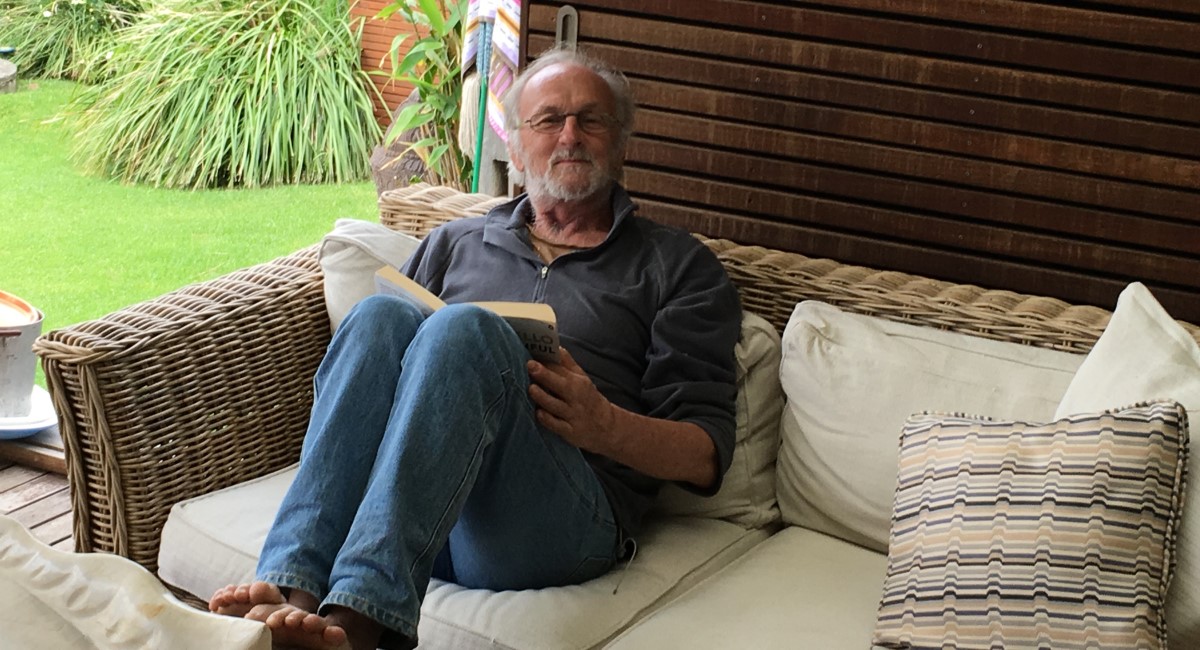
x=587 y=121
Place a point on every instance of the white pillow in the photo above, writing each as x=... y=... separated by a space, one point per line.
x=349 y=257
x=1144 y=354
x=852 y=380
x=747 y=494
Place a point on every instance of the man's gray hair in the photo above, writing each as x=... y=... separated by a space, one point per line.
x=616 y=81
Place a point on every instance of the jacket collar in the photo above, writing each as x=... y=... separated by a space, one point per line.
x=505 y=224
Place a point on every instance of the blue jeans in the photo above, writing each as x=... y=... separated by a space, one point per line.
x=423 y=458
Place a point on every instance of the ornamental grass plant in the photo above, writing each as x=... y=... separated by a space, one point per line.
x=61 y=38
x=224 y=93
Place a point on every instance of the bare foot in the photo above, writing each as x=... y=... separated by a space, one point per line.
x=293 y=627
x=238 y=600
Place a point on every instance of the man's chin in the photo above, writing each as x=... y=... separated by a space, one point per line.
x=570 y=191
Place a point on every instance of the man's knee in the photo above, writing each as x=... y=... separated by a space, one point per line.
x=381 y=311
x=466 y=321
x=474 y=328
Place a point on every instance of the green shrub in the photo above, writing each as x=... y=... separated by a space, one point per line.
x=59 y=38
x=431 y=63
x=219 y=93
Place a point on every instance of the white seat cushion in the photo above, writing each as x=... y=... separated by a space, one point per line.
x=673 y=554
x=799 y=589
x=214 y=540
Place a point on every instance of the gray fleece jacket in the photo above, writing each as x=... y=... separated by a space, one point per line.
x=649 y=314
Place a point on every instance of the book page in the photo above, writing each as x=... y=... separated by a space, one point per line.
x=390 y=281
x=534 y=322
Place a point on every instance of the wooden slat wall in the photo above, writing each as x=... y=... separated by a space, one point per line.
x=1022 y=145
x=377 y=37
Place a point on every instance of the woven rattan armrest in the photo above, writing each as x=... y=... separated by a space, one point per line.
x=188 y=393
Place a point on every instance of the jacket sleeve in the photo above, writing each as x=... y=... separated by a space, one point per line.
x=691 y=373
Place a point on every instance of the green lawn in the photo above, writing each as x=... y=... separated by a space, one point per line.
x=78 y=247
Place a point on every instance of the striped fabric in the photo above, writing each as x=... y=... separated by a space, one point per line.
x=1014 y=535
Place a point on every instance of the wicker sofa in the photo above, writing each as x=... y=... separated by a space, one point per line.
x=205 y=388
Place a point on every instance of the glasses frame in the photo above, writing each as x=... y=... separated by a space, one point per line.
x=608 y=122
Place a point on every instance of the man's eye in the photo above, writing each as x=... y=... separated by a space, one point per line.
x=550 y=121
x=589 y=121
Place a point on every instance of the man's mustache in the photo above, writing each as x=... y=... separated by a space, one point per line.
x=574 y=153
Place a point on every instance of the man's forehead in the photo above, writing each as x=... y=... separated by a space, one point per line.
x=565 y=86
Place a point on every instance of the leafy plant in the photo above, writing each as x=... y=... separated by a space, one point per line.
x=432 y=66
x=59 y=38
x=218 y=93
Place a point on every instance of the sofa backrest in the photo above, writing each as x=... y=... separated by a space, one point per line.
x=772 y=283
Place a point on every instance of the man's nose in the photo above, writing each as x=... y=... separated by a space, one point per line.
x=570 y=130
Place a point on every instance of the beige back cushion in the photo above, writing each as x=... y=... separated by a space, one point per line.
x=1143 y=355
x=747 y=495
x=350 y=255
x=852 y=380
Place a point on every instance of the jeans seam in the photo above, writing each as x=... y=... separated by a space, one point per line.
x=596 y=511
x=457 y=496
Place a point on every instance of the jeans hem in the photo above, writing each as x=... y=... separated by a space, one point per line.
x=363 y=606
x=285 y=580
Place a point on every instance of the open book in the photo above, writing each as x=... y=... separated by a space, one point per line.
x=534 y=322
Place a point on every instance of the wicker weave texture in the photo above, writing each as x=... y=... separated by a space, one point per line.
x=772 y=282
x=419 y=208
x=182 y=395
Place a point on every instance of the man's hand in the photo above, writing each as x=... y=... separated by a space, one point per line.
x=569 y=404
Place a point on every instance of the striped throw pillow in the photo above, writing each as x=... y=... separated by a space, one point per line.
x=1017 y=535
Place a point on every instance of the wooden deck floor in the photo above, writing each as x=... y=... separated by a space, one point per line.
x=39 y=500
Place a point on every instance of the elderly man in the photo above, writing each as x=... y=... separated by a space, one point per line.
x=437 y=447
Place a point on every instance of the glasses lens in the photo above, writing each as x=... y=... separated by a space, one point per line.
x=592 y=122
x=550 y=123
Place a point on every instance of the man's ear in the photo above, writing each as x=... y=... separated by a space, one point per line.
x=514 y=156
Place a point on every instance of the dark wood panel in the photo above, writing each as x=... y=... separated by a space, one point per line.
x=913 y=71
x=913 y=227
x=1174 y=6
x=912 y=163
x=1043 y=147
x=934 y=40
x=765 y=81
x=990 y=113
x=1053 y=20
x=891 y=129
x=947 y=265
x=694 y=77
x=968 y=204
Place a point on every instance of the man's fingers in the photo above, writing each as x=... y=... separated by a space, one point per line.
x=547 y=401
x=566 y=359
x=555 y=424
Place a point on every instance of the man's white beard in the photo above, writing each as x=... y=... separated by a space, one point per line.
x=548 y=186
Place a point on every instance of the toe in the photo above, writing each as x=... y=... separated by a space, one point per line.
x=264 y=592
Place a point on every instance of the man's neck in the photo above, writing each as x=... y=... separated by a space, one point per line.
x=583 y=222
